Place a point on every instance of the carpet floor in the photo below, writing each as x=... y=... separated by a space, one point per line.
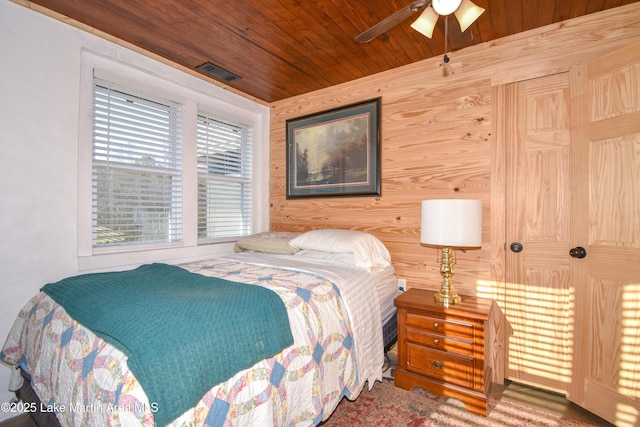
x=510 y=405
x=387 y=406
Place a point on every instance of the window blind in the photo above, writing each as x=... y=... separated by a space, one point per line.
x=137 y=167
x=224 y=178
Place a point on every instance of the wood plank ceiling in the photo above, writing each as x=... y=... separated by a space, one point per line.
x=283 y=48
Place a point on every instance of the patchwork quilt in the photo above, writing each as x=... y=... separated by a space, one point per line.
x=166 y=307
x=335 y=320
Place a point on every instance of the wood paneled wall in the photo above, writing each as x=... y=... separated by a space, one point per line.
x=441 y=129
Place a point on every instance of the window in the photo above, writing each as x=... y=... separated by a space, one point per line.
x=224 y=178
x=137 y=168
x=171 y=168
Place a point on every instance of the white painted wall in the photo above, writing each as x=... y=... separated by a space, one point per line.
x=40 y=64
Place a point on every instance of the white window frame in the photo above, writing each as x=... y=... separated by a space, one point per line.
x=228 y=174
x=122 y=160
x=194 y=94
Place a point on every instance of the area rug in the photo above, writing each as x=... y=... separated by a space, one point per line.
x=388 y=406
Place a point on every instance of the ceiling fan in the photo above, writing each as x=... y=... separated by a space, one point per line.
x=465 y=11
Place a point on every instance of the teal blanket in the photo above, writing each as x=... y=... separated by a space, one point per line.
x=182 y=332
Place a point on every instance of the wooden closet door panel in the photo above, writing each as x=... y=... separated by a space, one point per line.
x=606 y=378
x=538 y=279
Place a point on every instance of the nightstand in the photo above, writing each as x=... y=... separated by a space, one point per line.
x=442 y=349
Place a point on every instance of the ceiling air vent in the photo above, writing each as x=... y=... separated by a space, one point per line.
x=217 y=72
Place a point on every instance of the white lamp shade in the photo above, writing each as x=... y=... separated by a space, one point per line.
x=451 y=223
x=426 y=22
x=445 y=7
x=467 y=13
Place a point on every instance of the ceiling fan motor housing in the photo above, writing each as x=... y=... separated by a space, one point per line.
x=445 y=7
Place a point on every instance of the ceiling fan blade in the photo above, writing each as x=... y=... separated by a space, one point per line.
x=456 y=37
x=390 y=21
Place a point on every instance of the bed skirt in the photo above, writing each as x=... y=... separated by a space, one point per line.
x=390 y=333
x=26 y=394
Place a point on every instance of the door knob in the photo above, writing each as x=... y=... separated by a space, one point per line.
x=516 y=247
x=578 y=252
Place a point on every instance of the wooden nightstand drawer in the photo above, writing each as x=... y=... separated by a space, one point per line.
x=442 y=348
x=440 y=342
x=440 y=365
x=445 y=327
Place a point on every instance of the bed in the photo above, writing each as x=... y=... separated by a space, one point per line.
x=337 y=287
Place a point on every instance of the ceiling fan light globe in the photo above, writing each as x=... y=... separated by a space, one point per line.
x=445 y=7
x=467 y=14
x=426 y=22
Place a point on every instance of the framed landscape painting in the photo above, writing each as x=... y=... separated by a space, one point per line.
x=335 y=152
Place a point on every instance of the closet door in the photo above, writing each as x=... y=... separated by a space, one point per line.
x=606 y=213
x=538 y=290
x=572 y=289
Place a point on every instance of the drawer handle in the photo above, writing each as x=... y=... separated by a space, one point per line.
x=436 y=341
x=436 y=364
x=436 y=325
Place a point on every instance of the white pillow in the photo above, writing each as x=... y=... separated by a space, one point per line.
x=367 y=250
x=331 y=256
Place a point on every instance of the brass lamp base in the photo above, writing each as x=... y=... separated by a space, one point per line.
x=447 y=295
x=447 y=298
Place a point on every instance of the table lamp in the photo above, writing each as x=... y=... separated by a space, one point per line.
x=450 y=224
